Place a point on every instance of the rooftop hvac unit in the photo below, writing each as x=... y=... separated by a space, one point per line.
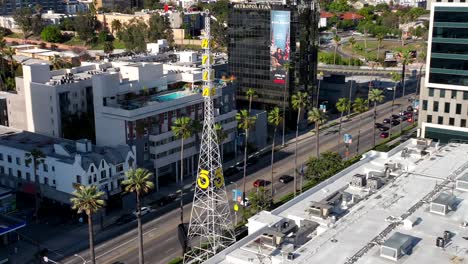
x=290 y=256
x=440 y=242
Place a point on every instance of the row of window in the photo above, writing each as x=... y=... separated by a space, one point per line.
x=18 y=161
x=19 y=174
x=444 y=92
x=171 y=151
x=440 y=121
x=435 y=107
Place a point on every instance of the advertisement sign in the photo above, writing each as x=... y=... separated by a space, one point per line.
x=236 y=195
x=347 y=138
x=279 y=48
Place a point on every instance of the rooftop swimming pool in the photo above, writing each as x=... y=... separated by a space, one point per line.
x=168 y=97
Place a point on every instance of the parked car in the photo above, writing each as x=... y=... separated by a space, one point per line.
x=395 y=117
x=259 y=183
x=246 y=202
x=386 y=121
x=378 y=125
x=165 y=200
x=384 y=135
x=409 y=108
x=384 y=128
x=395 y=122
x=231 y=171
x=409 y=114
x=126 y=218
x=143 y=211
x=404 y=118
x=252 y=161
x=286 y=178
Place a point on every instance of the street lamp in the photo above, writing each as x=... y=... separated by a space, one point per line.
x=47 y=260
x=78 y=256
x=319 y=78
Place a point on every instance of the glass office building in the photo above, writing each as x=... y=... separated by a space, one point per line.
x=265 y=40
x=444 y=99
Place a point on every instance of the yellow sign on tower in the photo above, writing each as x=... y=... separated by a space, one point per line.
x=205 y=44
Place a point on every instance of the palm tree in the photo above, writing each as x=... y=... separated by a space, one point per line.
x=221 y=135
x=375 y=96
x=360 y=106
x=380 y=38
x=318 y=117
x=343 y=105
x=351 y=42
x=57 y=62
x=139 y=182
x=250 y=93
x=287 y=67
x=336 y=41
x=274 y=118
x=397 y=79
x=245 y=122
x=9 y=52
x=182 y=129
x=116 y=26
x=299 y=102
x=36 y=157
x=88 y=199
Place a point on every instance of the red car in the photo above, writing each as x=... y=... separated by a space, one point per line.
x=384 y=135
x=259 y=183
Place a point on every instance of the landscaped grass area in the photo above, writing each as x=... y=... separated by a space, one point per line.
x=371 y=52
x=117 y=45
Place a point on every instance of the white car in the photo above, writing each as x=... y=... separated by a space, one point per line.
x=246 y=202
x=143 y=211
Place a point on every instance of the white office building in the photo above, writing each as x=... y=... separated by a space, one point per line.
x=66 y=164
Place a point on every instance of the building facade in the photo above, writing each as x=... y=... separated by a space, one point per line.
x=8 y=7
x=266 y=39
x=66 y=164
x=444 y=99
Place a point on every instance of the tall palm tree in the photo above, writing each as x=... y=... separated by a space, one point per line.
x=9 y=52
x=245 y=122
x=221 y=135
x=318 y=117
x=407 y=59
x=375 y=96
x=299 y=102
x=182 y=129
x=274 y=118
x=250 y=93
x=351 y=42
x=36 y=157
x=88 y=199
x=342 y=106
x=360 y=106
x=336 y=41
x=57 y=62
x=380 y=38
x=396 y=77
x=287 y=66
x=116 y=26
x=139 y=182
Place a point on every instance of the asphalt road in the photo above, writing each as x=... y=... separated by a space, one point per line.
x=160 y=235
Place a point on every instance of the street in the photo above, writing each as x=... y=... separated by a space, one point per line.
x=160 y=234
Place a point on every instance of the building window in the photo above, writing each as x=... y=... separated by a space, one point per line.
x=447 y=108
x=28 y=176
x=103 y=174
x=10 y=172
x=2 y=170
x=454 y=94
x=18 y=161
x=94 y=177
x=440 y=120
x=465 y=95
x=45 y=167
x=442 y=93
x=429 y=118
x=92 y=168
x=435 y=107
x=424 y=105
x=46 y=180
x=463 y=123
x=53 y=182
x=1 y=156
x=451 y=121
x=9 y=158
x=431 y=92
x=102 y=164
x=89 y=180
x=19 y=174
x=458 y=109
x=53 y=168
x=119 y=168
x=78 y=179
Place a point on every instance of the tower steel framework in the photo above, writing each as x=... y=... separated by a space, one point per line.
x=210 y=229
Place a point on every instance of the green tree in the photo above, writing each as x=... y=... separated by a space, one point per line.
x=339 y=6
x=139 y=182
x=36 y=157
x=51 y=34
x=352 y=42
x=108 y=47
x=343 y=105
x=133 y=35
x=380 y=38
x=221 y=135
x=245 y=122
x=275 y=119
x=116 y=26
x=336 y=42
x=322 y=167
x=57 y=62
x=299 y=103
x=360 y=106
x=259 y=199
x=376 y=96
x=9 y=52
x=318 y=117
x=23 y=18
x=67 y=24
x=182 y=129
x=250 y=93
x=85 y=25
x=87 y=199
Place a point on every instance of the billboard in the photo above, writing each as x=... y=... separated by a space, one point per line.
x=279 y=48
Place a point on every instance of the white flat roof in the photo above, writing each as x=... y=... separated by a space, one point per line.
x=380 y=213
x=35 y=50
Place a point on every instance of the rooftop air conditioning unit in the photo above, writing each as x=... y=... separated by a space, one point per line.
x=290 y=256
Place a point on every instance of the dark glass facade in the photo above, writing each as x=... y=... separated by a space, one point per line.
x=250 y=62
x=449 y=51
x=8 y=7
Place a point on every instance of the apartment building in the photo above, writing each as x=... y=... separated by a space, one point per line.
x=66 y=164
x=444 y=99
x=430 y=2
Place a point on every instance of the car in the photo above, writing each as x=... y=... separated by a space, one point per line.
x=246 y=202
x=384 y=135
x=259 y=183
x=378 y=125
x=286 y=178
x=395 y=122
x=252 y=161
x=409 y=114
x=231 y=171
x=404 y=118
x=126 y=218
x=167 y=199
x=143 y=211
x=409 y=108
x=395 y=117
x=384 y=128
x=386 y=121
